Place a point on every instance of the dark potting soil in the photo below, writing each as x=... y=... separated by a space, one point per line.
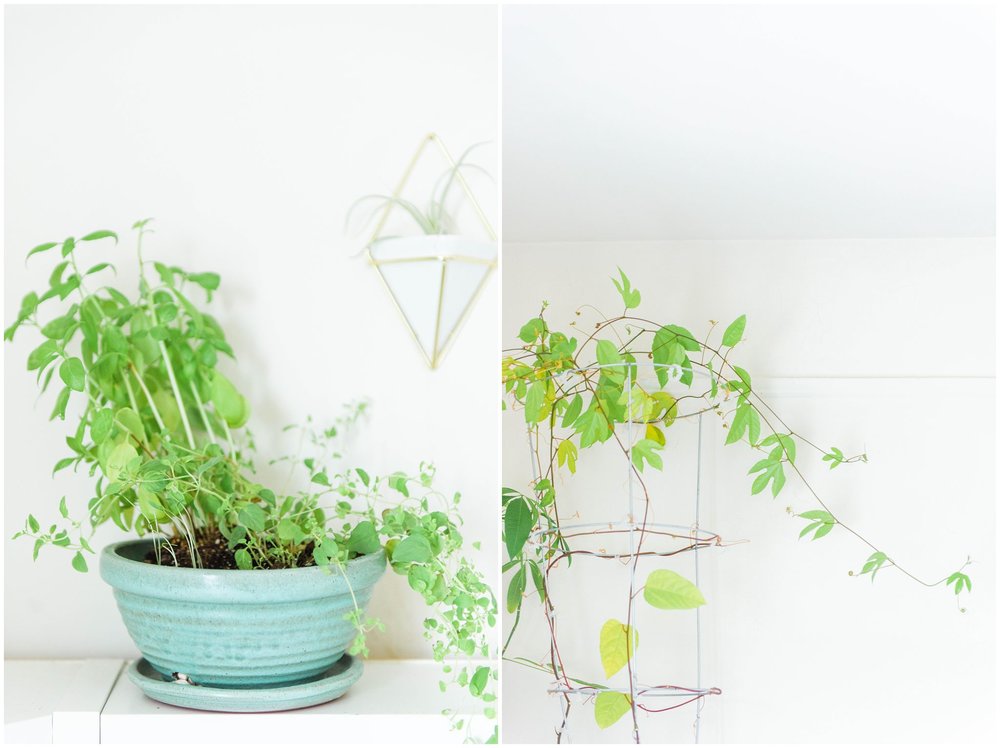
x=213 y=551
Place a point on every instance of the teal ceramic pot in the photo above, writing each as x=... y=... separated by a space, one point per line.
x=237 y=629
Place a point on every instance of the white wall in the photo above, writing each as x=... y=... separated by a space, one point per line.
x=247 y=131
x=878 y=345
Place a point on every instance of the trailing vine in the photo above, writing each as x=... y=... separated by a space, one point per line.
x=580 y=389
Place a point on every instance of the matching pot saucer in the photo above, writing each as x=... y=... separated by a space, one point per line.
x=327 y=686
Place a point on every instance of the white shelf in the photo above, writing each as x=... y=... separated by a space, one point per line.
x=91 y=701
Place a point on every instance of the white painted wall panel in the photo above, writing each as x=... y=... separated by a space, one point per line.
x=248 y=132
x=802 y=651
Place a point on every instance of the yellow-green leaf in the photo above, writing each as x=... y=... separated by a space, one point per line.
x=567 y=454
x=615 y=649
x=655 y=435
x=229 y=403
x=734 y=333
x=609 y=707
x=119 y=459
x=129 y=420
x=668 y=590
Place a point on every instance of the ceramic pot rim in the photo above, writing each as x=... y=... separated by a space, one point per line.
x=229 y=586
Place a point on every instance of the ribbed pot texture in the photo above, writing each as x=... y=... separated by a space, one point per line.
x=237 y=629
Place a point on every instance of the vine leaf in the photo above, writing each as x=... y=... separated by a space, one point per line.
x=834 y=457
x=874 y=563
x=786 y=444
x=516 y=590
x=670 y=346
x=615 y=649
x=960 y=581
x=572 y=411
x=592 y=426
x=773 y=473
x=534 y=402
x=740 y=422
x=630 y=296
x=645 y=449
x=518 y=519
x=532 y=330
x=822 y=523
x=668 y=590
x=734 y=333
x=609 y=707
x=567 y=454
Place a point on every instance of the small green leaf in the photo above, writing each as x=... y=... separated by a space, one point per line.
x=397 y=481
x=72 y=373
x=243 y=559
x=668 y=590
x=573 y=411
x=532 y=330
x=874 y=563
x=129 y=420
x=95 y=235
x=99 y=267
x=645 y=449
x=58 y=327
x=412 y=549
x=738 y=427
x=822 y=522
x=62 y=400
x=592 y=426
x=609 y=707
x=100 y=425
x=364 y=539
x=208 y=281
x=41 y=248
x=68 y=246
x=630 y=296
x=538 y=578
x=518 y=521
x=515 y=590
x=566 y=454
x=734 y=333
x=79 y=562
x=615 y=648
x=228 y=402
x=479 y=679
x=534 y=402
x=253 y=518
x=41 y=356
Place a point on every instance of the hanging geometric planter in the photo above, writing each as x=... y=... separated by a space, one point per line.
x=433 y=279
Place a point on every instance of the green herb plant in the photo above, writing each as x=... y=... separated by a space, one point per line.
x=162 y=430
x=577 y=390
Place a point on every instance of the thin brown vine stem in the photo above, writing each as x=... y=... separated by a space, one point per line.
x=635 y=565
x=750 y=390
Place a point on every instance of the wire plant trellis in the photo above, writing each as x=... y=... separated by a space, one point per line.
x=544 y=376
x=692 y=537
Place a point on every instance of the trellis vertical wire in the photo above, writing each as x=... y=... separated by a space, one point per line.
x=697 y=583
x=633 y=684
x=536 y=471
x=550 y=610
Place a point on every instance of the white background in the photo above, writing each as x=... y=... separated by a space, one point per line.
x=247 y=132
x=828 y=172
